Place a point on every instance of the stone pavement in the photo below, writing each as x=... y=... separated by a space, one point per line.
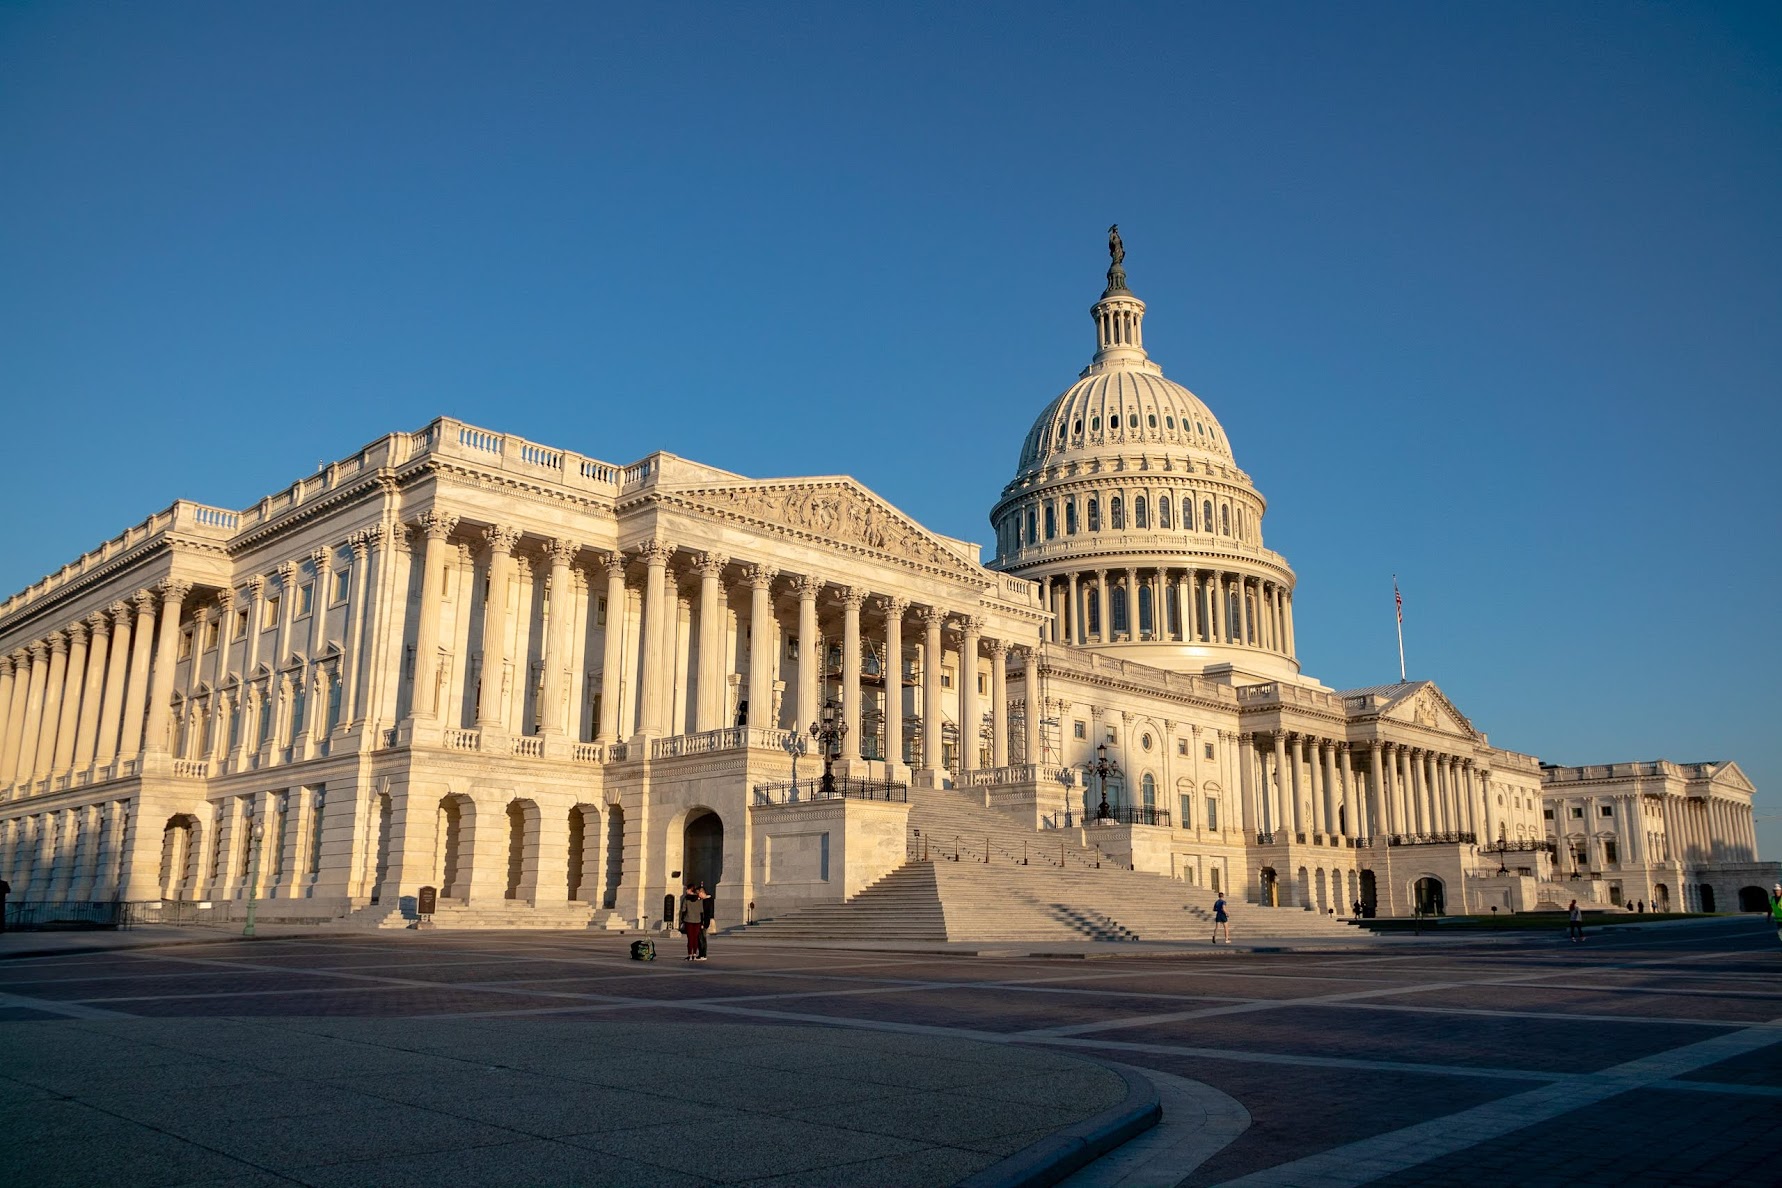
x=1646 y=1056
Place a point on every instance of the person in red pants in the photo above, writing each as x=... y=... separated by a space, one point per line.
x=692 y=914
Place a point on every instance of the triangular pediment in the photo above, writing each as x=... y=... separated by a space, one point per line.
x=834 y=511
x=1422 y=704
x=1729 y=775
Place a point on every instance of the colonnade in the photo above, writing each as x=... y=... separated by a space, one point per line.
x=1689 y=830
x=1186 y=605
x=75 y=855
x=1300 y=786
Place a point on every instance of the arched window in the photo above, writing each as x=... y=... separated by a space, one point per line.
x=1095 y=424
x=1147 y=618
x=1206 y=515
x=1225 y=519
x=1032 y=527
x=1060 y=431
x=1163 y=511
x=1092 y=611
x=1139 y=518
x=1152 y=420
x=1117 y=597
x=1076 y=427
x=1116 y=514
x=1148 y=789
x=1051 y=522
x=1070 y=518
x=1094 y=515
x=1132 y=420
x=1187 y=513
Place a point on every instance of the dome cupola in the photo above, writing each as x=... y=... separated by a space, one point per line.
x=1128 y=503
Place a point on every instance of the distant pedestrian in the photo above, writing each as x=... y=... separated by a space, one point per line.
x=1776 y=909
x=1575 y=915
x=691 y=915
x=1220 y=919
x=1357 y=911
x=707 y=909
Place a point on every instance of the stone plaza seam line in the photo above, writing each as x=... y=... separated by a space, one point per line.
x=1382 y=1155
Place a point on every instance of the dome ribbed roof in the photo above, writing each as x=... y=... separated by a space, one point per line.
x=1122 y=405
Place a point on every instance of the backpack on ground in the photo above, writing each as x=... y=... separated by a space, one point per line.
x=643 y=950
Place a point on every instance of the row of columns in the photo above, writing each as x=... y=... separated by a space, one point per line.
x=1301 y=784
x=73 y=855
x=1187 y=605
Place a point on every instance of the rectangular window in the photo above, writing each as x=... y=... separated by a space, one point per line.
x=1609 y=854
x=343 y=583
x=1212 y=812
x=1187 y=807
x=1608 y=810
x=1209 y=750
x=1547 y=813
x=946 y=678
x=823 y=857
x=981 y=688
x=1181 y=746
x=1577 y=813
x=306 y=598
x=185 y=644
x=241 y=625
x=1113 y=737
x=271 y=620
x=211 y=631
x=600 y=613
x=1213 y=875
x=1081 y=729
x=792 y=647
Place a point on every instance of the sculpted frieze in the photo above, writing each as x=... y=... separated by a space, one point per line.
x=837 y=513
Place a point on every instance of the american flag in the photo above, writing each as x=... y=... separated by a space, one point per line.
x=1398 y=600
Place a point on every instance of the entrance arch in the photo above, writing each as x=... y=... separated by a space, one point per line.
x=1370 y=895
x=1753 y=899
x=1706 y=891
x=179 y=856
x=1428 y=894
x=702 y=841
x=522 y=850
x=456 y=828
x=1270 y=890
x=1661 y=898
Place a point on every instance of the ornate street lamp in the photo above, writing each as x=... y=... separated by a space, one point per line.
x=829 y=732
x=1503 y=845
x=259 y=831
x=1102 y=768
x=795 y=747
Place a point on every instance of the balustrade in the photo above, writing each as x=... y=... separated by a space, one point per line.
x=463 y=740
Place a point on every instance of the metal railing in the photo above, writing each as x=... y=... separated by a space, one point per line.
x=38 y=916
x=1131 y=814
x=843 y=787
x=1431 y=839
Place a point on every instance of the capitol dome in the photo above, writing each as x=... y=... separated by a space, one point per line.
x=1129 y=507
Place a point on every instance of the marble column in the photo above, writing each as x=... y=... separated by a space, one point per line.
x=1353 y=824
x=894 y=608
x=612 y=663
x=558 y=652
x=160 y=700
x=970 y=717
x=1073 y=633
x=1035 y=707
x=933 y=617
x=353 y=635
x=86 y=735
x=424 y=700
x=491 y=700
x=710 y=711
x=761 y=646
x=653 y=669
x=852 y=599
x=55 y=696
x=1105 y=628
x=999 y=703
x=810 y=662
x=8 y=666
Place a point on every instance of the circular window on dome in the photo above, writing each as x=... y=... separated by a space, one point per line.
x=1095 y=424
x=1145 y=742
x=1132 y=420
x=1169 y=422
x=1153 y=420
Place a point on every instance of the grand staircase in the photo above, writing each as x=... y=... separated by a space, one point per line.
x=978 y=874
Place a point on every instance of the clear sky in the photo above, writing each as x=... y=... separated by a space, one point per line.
x=1483 y=294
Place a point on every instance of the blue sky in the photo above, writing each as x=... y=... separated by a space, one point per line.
x=1486 y=295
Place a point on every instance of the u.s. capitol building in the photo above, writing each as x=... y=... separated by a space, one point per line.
x=555 y=689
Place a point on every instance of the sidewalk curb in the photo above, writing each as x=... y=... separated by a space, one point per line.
x=1053 y=1159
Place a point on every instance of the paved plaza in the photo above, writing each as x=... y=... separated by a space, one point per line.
x=1644 y=1056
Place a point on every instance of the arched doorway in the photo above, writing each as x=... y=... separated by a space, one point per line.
x=615 y=856
x=1707 y=897
x=1270 y=889
x=522 y=851
x=456 y=824
x=1370 y=900
x=179 y=856
x=1323 y=893
x=1753 y=899
x=703 y=849
x=1661 y=898
x=1428 y=895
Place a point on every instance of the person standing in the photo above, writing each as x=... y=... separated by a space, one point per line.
x=691 y=915
x=707 y=909
x=1221 y=919
x=1575 y=918
x=1776 y=909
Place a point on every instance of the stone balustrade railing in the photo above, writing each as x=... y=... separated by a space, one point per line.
x=191 y=769
x=528 y=744
x=1020 y=773
x=463 y=740
x=587 y=752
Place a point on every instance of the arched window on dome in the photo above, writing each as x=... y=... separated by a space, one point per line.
x=1092 y=612
x=1117 y=600
x=1032 y=527
x=1051 y=522
x=1094 y=514
x=1206 y=515
x=1163 y=511
x=1132 y=420
x=1188 y=513
x=1139 y=517
x=1095 y=424
x=1169 y=422
x=1116 y=514
x=1060 y=431
x=1225 y=519
x=1070 y=517
x=1153 y=420
x=1147 y=617
x=1076 y=428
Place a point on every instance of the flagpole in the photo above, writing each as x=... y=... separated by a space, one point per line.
x=1398 y=603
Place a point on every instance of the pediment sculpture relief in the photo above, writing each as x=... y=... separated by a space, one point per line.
x=837 y=513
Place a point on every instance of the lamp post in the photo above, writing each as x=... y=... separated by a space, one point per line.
x=258 y=832
x=1503 y=845
x=829 y=732
x=1102 y=768
x=795 y=747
